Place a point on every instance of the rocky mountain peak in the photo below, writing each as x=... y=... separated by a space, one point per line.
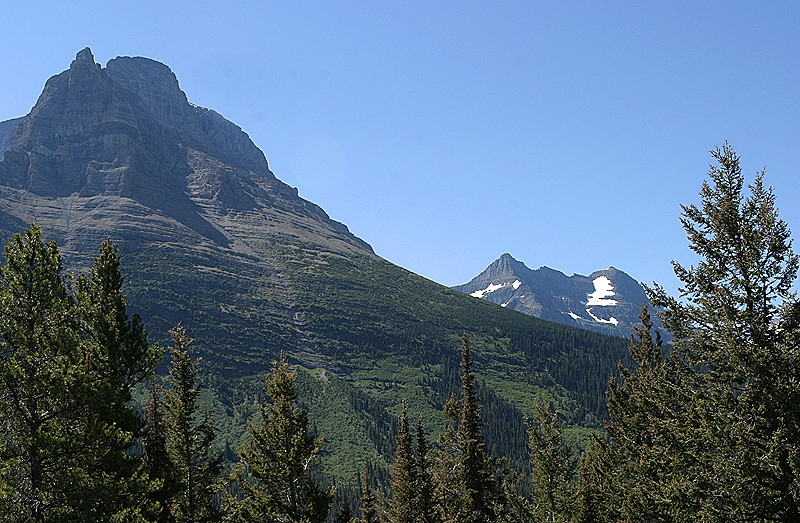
x=131 y=112
x=83 y=58
x=505 y=266
x=153 y=82
x=607 y=301
x=129 y=131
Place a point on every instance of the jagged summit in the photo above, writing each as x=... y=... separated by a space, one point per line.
x=83 y=58
x=128 y=131
x=132 y=110
x=506 y=265
x=606 y=301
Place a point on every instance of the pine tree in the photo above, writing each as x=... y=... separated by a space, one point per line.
x=598 y=491
x=655 y=433
x=403 y=506
x=40 y=370
x=467 y=487
x=368 y=512
x=189 y=438
x=709 y=432
x=479 y=489
x=554 y=465
x=280 y=456
x=425 y=489
x=117 y=357
x=159 y=465
x=446 y=479
x=64 y=401
x=121 y=355
x=738 y=342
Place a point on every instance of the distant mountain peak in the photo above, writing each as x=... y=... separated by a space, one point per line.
x=505 y=265
x=607 y=301
x=84 y=56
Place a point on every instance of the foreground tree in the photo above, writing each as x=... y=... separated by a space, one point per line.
x=117 y=357
x=655 y=434
x=280 y=456
x=67 y=365
x=40 y=367
x=710 y=432
x=598 y=487
x=189 y=438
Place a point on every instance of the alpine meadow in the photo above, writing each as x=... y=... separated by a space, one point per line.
x=183 y=338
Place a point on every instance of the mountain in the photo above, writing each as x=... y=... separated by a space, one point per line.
x=606 y=301
x=209 y=237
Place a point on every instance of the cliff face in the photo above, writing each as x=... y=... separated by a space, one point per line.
x=121 y=150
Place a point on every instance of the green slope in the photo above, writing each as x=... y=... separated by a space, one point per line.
x=364 y=334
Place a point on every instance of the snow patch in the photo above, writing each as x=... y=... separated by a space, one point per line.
x=493 y=287
x=612 y=320
x=602 y=289
x=574 y=316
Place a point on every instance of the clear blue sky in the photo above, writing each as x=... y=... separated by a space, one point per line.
x=448 y=133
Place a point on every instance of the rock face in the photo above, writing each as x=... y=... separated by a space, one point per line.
x=6 y=128
x=126 y=135
x=606 y=301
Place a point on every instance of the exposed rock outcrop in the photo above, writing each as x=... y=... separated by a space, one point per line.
x=127 y=135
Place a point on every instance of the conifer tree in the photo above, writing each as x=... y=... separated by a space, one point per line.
x=598 y=490
x=189 y=438
x=446 y=478
x=554 y=465
x=117 y=357
x=425 y=489
x=738 y=342
x=67 y=365
x=368 y=512
x=709 y=432
x=403 y=506
x=159 y=466
x=121 y=355
x=655 y=432
x=467 y=487
x=479 y=488
x=40 y=367
x=280 y=456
